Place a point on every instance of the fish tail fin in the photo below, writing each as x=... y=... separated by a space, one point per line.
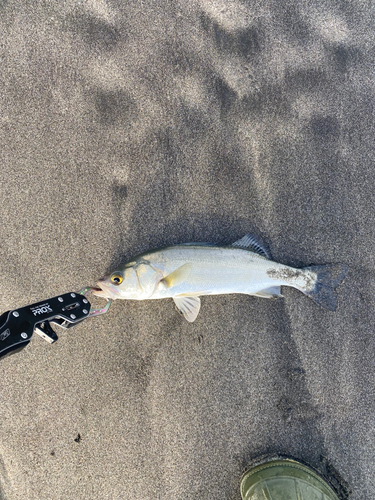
x=328 y=279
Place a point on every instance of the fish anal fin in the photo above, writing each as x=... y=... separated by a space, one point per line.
x=254 y=244
x=269 y=293
x=189 y=306
x=178 y=276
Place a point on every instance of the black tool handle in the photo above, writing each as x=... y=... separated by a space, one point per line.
x=17 y=326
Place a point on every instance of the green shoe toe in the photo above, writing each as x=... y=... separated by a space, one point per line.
x=284 y=480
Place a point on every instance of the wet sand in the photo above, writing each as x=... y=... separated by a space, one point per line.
x=126 y=126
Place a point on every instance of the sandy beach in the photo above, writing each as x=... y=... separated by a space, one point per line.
x=127 y=126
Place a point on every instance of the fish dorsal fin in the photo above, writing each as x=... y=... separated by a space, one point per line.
x=177 y=276
x=188 y=306
x=252 y=243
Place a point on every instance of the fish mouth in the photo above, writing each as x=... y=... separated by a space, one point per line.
x=99 y=292
x=104 y=291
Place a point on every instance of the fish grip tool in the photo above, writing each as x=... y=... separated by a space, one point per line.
x=18 y=325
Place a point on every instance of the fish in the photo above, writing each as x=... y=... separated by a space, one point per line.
x=188 y=271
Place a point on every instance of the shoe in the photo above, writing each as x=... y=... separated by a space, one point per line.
x=284 y=479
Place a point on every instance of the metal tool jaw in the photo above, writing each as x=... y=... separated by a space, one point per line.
x=67 y=310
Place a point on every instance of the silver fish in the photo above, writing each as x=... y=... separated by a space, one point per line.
x=187 y=271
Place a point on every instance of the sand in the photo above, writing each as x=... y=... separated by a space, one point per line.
x=125 y=126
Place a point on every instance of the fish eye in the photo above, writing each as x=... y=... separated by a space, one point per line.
x=117 y=279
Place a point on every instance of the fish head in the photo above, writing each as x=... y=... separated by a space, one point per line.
x=135 y=280
x=119 y=284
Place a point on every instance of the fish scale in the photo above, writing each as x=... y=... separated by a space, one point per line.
x=187 y=271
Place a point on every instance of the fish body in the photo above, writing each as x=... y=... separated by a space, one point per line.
x=187 y=271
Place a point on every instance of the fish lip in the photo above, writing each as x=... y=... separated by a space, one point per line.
x=105 y=292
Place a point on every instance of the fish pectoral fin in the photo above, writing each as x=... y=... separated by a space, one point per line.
x=254 y=244
x=177 y=276
x=269 y=293
x=188 y=306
